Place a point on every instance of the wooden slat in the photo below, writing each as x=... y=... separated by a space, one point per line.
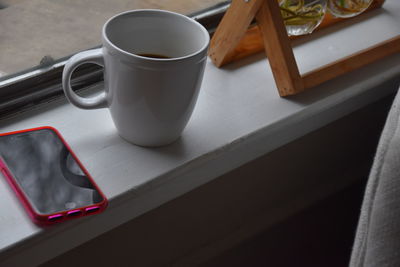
x=351 y=62
x=278 y=48
x=252 y=43
x=232 y=28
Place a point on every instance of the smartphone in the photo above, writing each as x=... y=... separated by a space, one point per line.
x=47 y=177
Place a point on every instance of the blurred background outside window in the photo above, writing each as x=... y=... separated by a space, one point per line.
x=36 y=33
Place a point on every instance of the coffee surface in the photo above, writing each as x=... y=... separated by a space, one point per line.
x=153 y=56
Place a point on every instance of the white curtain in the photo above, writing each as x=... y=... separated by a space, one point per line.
x=377 y=241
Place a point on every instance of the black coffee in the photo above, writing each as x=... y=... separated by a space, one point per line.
x=153 y=56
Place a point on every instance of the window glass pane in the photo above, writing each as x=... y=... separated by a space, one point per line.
x=34 y=31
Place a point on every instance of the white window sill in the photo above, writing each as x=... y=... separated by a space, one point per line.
x=239 y=117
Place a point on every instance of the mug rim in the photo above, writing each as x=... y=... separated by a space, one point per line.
x=135 y=56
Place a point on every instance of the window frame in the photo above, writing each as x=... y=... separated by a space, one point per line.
x=41 y=84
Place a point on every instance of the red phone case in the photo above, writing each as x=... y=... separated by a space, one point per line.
x=49 y=219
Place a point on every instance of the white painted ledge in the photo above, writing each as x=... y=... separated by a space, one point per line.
x=239 y=117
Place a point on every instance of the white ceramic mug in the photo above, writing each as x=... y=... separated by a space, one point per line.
x=150 y=99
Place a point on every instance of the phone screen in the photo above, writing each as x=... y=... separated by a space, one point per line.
x=47 y=172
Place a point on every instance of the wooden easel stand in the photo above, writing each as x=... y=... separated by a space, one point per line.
x=224 y=45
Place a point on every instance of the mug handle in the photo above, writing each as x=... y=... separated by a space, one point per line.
x=94 y=56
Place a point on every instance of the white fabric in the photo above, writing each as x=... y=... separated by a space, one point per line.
x=377 y=241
